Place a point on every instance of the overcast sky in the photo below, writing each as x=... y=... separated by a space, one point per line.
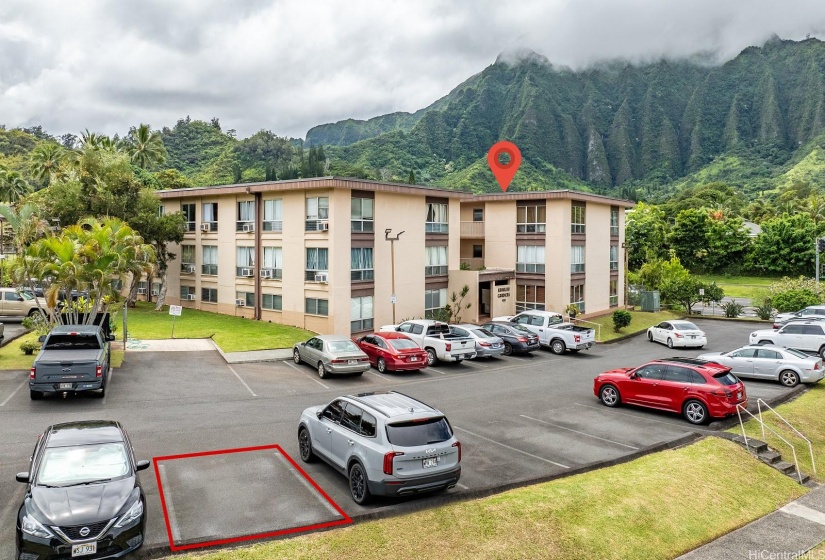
x=288 y=65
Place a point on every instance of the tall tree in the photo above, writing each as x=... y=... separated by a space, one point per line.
x=13 y=186
x=45 y=160
x=146 y=147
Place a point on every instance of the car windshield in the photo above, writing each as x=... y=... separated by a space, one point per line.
x=402 y=343
x=65 y=466
x=72 y=342
x=483 y=333
x=685 y=326
x=421 y=432
x=797 y=353
x=726 y=378
x=554 y=320
x=342 y=346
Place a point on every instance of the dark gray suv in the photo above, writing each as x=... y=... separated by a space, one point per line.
x=385 y=443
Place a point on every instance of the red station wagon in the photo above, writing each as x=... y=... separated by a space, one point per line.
x=392 y=351
x=698 y=389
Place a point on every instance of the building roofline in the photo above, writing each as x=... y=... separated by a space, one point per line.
x=544 y=195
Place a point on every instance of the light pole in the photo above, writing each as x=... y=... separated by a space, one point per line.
x=392 y=241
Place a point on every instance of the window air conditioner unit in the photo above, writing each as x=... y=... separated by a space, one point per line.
x=240 y=302
x=248 y=227
x=190 y=297
x=323 y=226
x=204 y=227
x=189 y=268
x=247 y=272
x=155 y=292
x=321 y=277
x=141 y=291
x=266 y=273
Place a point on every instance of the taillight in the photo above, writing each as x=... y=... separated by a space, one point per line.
x=723 y=393
x=577 y=338
x=457 y=445
x=447 y=346
x=522 y=339
x=775 y=326
x=678 y=335
x=337 y=361
x=32 y=371
x=816 y=366
x=98 y=371
x=485 y=344
x=388 y=459
x=365 y=359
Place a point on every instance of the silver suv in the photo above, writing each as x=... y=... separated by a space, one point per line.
x=385 y=443
x=808 y=336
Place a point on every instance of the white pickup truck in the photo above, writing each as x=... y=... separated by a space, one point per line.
x=436 y=338
x=554 y=332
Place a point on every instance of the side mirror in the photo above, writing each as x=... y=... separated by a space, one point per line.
x=319 y=414
x=41 y=338
x=142 y=465
x=22 y=477
x=634 y=375
x=110 y=337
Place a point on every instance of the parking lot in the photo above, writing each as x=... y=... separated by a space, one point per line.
x=519 y=418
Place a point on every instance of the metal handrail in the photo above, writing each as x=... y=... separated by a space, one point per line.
x=740 y=408
x=598 y=326
x=760 y=402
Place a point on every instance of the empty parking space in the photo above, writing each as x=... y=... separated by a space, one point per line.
x=11 y=383
x=218 y=497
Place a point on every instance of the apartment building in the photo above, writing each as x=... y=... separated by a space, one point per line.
x=347 y=255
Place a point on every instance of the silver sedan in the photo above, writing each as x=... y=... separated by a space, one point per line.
x=786 y=365
x=331 y=353
x=488 y=345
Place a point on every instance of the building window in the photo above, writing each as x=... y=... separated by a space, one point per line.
x=317 y=214
x=614 y=293
x=317 y=269
x=478 y=214
x=155 y=288
x=245 y=299
x=209 y=295
x=434 y=302
x=614 y=257
x=271 y=302
x=246 y=216
x=531 y=218
x=436 y=218
x=209 y=217
x=529 y=296
x=361 y=314
x=577 y=258
x=478 y=251
x=188 y=211
x=273 y=215
x=273 y=266
x=245 y=262
x=577 y=296
x=436 y=261
x=161 y=211
x=315 y=306
x=577 y=218
x=141 y=289
x=361 y=214
x=210 y=260
x=530 y=258
x=117 y=284
x=614 y=222
x=187 y=259
x=187 y=293
x=361 y=263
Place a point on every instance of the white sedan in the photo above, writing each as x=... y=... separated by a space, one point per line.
x=677 y=333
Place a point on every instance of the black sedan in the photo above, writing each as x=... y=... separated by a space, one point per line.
x=517 y=339
x=83 y=496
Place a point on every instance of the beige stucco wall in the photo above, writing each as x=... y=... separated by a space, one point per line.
x=459 y=279
x=597 y=258
x=557 y=255
x=500 y=234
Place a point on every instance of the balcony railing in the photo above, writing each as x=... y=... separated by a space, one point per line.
x=472 y=229
x=475 y=263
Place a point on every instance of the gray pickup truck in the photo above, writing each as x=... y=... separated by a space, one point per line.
x=73 y=358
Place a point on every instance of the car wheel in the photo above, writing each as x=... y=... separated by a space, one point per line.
x=32 y=312
x=296 y=357
x=695 y=412
x=788 y=378
x=670 y=342
x=822 y=352
x=322 y=370
x=35 y=395
x=382 y=365
x=557 y=347
x=431 y=357
x=508 y=349
x=305 y=446
x=102 y=393
x=609 y=395
x=358 y=488
x=650 y=336
x=764 y=343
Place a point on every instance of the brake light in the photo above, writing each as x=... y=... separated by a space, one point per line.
x=522 y=339
x=337 y=361
x=678 y=335
x=724 y=393
x=775 y=326
x=577 y=338
x=389 y=457
x=816 y=366
x=457 y=445
x=32 y=371
x=99 y=371
x=485 y=344
x=447 y=346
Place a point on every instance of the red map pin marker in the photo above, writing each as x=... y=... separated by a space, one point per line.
x=504 y=172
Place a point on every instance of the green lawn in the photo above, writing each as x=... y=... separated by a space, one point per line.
x=658 y=506
x=640 y=322
x=739 y=286
x=232 y=334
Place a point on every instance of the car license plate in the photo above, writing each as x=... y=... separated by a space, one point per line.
x=65 y=385
x=739 y=395
x=413 y=358
x=84 y=549
x=496 y=345
x=693 y=336
x=429 y=462
x=352 y=362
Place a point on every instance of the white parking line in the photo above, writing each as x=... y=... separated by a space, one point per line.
x=296 y=368
x=108 y=380
x=170 y=507
x=475 y=364
x=578 y=432
x=462 y=486
x=512 y=448
x=436 y=370
x=241 y=380
x=14 y=392
x=379 y=376
x=690 y=427
x=307 y=485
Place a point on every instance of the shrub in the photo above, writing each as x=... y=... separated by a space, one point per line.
x=763 y=306
x=572 y=310
x=621 y=319
x=732 y=309
x=29 y=347
x=37 y=323
x=793 y=300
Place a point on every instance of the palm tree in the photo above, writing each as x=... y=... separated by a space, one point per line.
x=12 y=186
x=93 y=141
x=146 y=146
x=45 y=160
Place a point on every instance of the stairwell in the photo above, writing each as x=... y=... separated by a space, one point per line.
x=773 y=459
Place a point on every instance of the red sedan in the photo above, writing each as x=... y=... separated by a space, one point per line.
x=392 y=351
x=698 y=389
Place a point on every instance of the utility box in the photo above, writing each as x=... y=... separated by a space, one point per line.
x=650 y=301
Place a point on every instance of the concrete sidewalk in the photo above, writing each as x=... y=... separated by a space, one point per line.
x=206 y=345
x=789 y=532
